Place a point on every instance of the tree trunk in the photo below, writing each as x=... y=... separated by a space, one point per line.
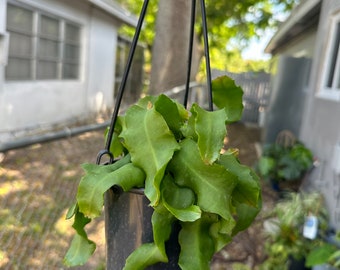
x=170 y=48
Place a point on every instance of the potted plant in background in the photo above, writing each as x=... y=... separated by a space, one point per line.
x=285 y=166
x=175 y=157
x=287 y=246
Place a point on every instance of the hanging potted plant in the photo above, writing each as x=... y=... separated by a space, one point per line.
x=174 y=156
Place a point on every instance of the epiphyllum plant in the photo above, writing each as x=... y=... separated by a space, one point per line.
x=175 y=155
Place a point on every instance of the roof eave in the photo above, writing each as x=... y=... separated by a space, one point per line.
x=117 y=11
x=295 y=24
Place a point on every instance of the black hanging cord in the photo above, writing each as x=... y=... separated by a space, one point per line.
x=106 y=151
x=207 y=57
x=191 y=41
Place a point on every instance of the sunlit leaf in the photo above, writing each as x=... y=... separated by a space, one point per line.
x=90 y=195
x=228 y=96
x=211 y=130
x=151 y=145
x=81 y=247
x=79 y=252
x=212 y=184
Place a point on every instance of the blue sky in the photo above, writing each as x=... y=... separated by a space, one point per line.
x=255 y=50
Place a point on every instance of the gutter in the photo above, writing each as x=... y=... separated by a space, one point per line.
x=48 y=137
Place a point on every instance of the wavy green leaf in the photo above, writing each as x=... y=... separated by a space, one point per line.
x=211 y=130
x=94 y=184
x=197 y=247
x=245 y=215
x=188 y=129
x=151 y=145
x=247 y=189
x=161 y=226
x=179 y=200
x=171 y=114
x=144 y=256
x=221 y=232
x=81 y=247
x=116 y=147
x=72 y=211
x=212 y=184
x=151 y=253
x=146 y=101
x=247 y=193
x=228 y=96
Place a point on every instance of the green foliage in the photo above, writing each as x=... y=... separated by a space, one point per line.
x=281 y=163
x=327 y=253
x=231 y=59
x=285 y=238
x=226 y=19
x=320 y=255
x=232 y=103
x=229 y=22
x=176 y=156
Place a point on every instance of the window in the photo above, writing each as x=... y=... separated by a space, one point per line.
x=41 y=46
x=331 y=78
x=20 y=26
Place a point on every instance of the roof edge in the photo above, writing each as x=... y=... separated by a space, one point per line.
x=117 y=11
x=297 y=14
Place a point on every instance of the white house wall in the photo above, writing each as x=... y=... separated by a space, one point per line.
x=100 y=75
x=32 y=104
x=301 y=47
x=321 y=128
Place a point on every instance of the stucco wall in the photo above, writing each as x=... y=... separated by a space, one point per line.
x=32 y=104
x=101 y=61
x=321 y=128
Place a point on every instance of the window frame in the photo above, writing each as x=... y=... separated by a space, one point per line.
x=331 y=66
x=65 y=68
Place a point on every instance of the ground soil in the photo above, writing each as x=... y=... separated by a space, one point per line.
x=38 y=183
